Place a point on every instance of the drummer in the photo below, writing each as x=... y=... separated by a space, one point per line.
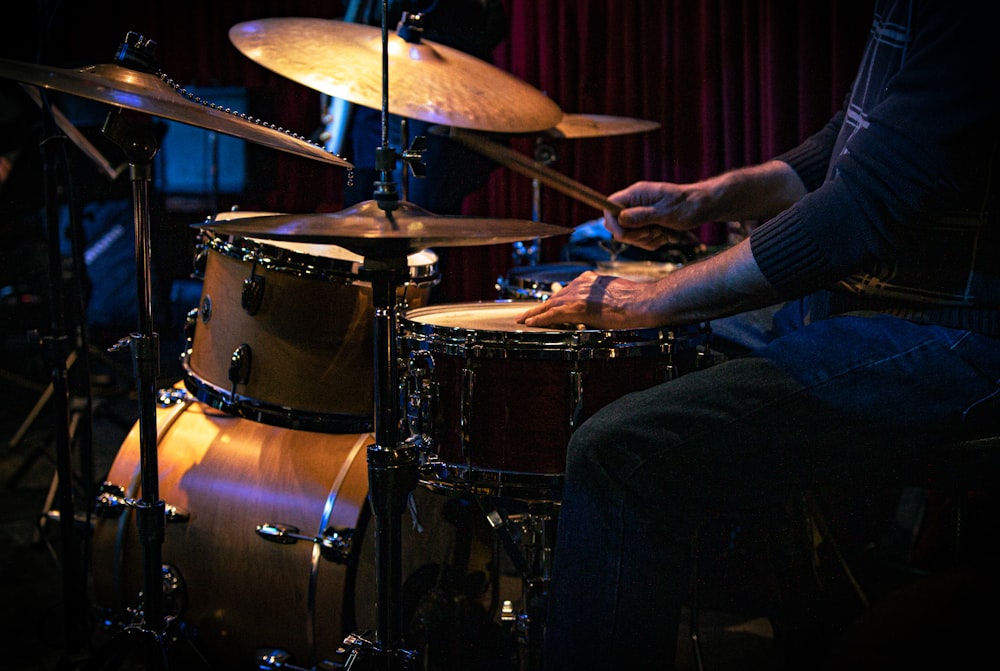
x=882 y=231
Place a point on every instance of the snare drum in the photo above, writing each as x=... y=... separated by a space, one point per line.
x=497 y=401
x=283 y=333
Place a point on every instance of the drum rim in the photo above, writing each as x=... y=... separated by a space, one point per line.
x=269 y=413
x=562 y=344
x=282 y=260
x=462 y=478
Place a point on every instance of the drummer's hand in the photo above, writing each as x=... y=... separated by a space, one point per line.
x=654 y=214
x=598 y=301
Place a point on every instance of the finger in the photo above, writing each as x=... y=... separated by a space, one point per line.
x=531 y=312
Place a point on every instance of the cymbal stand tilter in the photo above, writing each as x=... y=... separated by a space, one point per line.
x=150 y=627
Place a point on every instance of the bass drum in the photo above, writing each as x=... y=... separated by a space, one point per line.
x=234 y=593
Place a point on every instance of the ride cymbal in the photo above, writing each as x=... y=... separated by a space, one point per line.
x=427 y=81
x=144 y=92
x=367 y=230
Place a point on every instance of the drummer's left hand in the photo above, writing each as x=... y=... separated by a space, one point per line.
x=597 y=301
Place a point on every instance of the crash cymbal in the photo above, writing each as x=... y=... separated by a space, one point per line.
x=575 y=126
x=427 y=81
x=144 y=92
x=367 y=230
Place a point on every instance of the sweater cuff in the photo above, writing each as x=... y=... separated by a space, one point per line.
x=810 y=161
x=785 y=253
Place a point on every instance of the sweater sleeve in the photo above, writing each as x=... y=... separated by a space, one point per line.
x=919 y=145
x=811 y=159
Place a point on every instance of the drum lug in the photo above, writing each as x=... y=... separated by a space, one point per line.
x=421 y=394
x=468 y=393
x=575 y=398
x=253 y=293
x=334 y=544
x=190 y=324
x=205 y=310
x=112 y=502
x=239 y=365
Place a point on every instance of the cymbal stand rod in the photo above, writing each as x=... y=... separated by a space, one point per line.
x=57 y=354
x=140 y=146
x=392 y=466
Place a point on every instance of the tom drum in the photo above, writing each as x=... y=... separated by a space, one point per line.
x=283 y=333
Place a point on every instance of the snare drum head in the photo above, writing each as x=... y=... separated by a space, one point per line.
x=498 y=317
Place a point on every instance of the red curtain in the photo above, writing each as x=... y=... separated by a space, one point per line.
x=730 y=81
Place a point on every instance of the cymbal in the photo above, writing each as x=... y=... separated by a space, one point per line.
x=427 y=81
x=367 y=230
x=575 y=126
x=144 y=92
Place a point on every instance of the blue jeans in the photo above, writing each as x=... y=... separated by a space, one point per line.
x=841 y=401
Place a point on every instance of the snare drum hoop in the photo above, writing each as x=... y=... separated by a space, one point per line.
x=524 y=341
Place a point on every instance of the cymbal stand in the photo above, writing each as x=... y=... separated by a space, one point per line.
x=530 y=254
x=392 y=463
x=56 y=348
x=149 y=629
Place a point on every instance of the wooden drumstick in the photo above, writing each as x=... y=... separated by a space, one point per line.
x=526 y=166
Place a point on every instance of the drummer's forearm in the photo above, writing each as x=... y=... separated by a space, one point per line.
x=752 y=193
x=719 y=286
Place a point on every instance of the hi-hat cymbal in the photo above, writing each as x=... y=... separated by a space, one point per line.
x=427 y=81
x=144 y=92
x=575 y=126
x=367 y=230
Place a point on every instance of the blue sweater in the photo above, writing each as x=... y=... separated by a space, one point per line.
x=902 y=211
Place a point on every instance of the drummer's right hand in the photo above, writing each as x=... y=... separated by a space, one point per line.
x=654 y=213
